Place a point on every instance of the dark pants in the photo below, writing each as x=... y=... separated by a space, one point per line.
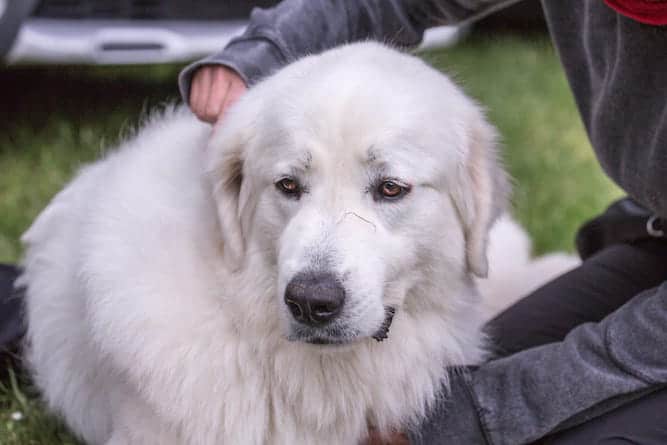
x=11 y=310
x=598 y=287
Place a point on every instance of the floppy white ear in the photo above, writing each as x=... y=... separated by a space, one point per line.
x=482 y=193
x=226 y=162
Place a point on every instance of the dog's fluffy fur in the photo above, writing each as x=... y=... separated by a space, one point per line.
x=155 y=279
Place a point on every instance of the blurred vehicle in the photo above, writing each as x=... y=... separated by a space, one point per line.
x=118 y=32
x=130 y=31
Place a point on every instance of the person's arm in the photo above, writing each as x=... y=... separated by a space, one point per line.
x=526 y=396
x=295 y=28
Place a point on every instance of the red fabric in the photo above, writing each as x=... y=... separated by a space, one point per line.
x=644 y=11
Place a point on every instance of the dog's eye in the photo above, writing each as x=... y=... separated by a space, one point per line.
x=392 y=190
x=289 y=186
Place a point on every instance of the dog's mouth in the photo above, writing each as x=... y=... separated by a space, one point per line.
x=326 y=341
x=338 y=337
x=383 y=332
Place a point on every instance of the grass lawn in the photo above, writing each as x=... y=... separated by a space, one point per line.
x=55 y=119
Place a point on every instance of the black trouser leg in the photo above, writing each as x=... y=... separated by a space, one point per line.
x=592 y=291
x=641 y=422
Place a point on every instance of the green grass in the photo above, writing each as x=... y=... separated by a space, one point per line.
x=54 y=119
x=33 y=426
x=558 y=183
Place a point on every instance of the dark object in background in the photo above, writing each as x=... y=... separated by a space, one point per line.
x=139 y=32
x=133 y=32
x=12 y=327
x=11 y=17
x=525 y=15
x=522 y=17
x=149 y=9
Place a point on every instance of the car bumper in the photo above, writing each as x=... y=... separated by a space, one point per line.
x=117 y=42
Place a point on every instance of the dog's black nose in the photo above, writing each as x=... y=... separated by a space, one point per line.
x=314 y=298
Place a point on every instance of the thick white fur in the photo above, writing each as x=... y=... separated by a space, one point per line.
x=508 y=281
x=155 y=278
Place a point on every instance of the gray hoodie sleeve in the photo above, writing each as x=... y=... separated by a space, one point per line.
x=294 y=28
x=523 y=397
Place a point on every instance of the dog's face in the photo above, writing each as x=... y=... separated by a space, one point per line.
x=356 y=176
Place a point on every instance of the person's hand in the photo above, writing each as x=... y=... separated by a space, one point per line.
x=214 y=89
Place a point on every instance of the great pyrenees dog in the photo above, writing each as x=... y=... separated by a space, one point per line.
x=308 y=271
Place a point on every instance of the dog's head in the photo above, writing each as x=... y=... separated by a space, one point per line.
x=364 y=179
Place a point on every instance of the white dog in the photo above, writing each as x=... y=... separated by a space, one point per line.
x=182 y=291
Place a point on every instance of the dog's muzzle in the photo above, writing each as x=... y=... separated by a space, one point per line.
x=315 y=300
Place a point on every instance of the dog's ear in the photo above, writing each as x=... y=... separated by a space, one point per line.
x=482 y=193
x=225 y=161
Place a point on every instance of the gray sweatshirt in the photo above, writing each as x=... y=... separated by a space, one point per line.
x=617 y=69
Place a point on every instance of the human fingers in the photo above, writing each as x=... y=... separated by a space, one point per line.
x=199 y=91
x=220 y=84
x=236 y=89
